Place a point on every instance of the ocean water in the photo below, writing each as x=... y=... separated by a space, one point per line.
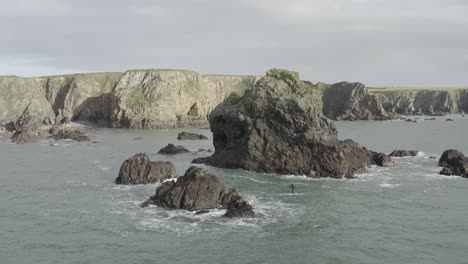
x=58 y=204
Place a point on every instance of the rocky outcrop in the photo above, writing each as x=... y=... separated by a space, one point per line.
x=170 y=98
x=454 y=163
x=64 y=133
x=380 y=159
x=352 y=101
x=139 y=169
x=278 y=127
x=190 y=136
x=403 y=153
x=25 y=137
x=424 y=102
x=172 y=149
x=199 y=190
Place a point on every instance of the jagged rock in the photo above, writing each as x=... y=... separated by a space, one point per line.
x=352 y=101
x=20 y=137
x=190 y=136
x=74 y=134
x=139 y=169
x=199 y=190
x=278 y=127
x=171 y=149
x=380 y=159
x=453 y=161
x=446 y=171
x=448 y=119
x=403 y=153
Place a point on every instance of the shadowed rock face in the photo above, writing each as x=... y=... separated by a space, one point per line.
x=141 y=170
x=190 y=136
x=352 y=101
x=403 y=153
x=454 y=163
x=200 y=190
x=172 y=149
x=278 y=127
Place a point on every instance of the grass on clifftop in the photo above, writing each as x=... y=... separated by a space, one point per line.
x=412 y=89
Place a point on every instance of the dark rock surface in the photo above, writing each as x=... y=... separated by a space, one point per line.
x=74 y=134
x=380 y=159
x=190 y=136
x=403 y=153
x=139 y=169
x=199 y=190
x=454 y=163
x=172 y=149
x=278 y=127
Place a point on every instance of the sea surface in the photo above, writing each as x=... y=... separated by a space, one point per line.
x=59 y=204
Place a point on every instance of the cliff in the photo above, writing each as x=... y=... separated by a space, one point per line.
x=170 y=98
x=352 y=101
x=179 y=98
x=423 y=102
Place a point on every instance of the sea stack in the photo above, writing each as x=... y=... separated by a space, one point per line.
x=278 y=127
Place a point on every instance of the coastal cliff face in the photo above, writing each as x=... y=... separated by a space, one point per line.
x=424 y=102
x=180 y=98
x=352 y=101
x=170 y=98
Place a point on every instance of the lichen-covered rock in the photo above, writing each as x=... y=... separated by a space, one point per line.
x=23 y=105
x=170 y=98
x=454 y=163
x=403 y=153
x=139 y=169
x=172 y=149
x=199 y=190
x=352 y=101
x=190 y=136
x=278 y=127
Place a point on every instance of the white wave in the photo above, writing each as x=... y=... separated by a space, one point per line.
x=389 y=185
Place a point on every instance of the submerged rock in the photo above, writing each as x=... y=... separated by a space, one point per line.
x=139 y=169
x=403 y=153
x=74 y=134
x=172 y=149
x=278 y=127
x=190 y=136
x=199 y=190
x=454 y=163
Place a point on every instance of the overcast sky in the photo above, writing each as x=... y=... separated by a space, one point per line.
x=378 y=42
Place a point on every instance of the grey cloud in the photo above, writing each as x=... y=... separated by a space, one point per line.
x=377 y=42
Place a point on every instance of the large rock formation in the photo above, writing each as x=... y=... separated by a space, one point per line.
x=139 y=169
x=425 y=102
x=278 y=127
x=454 y=163
x=169 y=98
x=199 y=190
x=352 y=101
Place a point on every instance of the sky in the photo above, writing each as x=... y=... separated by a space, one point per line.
x=377 y=42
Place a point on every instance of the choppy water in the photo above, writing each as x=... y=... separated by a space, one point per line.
x=58 y=204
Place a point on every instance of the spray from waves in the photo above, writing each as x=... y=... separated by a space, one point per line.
x=182 y=222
